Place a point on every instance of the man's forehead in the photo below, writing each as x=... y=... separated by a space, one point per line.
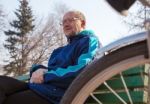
x=70 y=14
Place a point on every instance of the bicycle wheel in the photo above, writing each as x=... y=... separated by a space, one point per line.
x=104 y=68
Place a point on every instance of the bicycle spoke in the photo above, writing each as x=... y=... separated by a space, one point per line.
x=126 y=89
x=114 y=93
x=97 y=100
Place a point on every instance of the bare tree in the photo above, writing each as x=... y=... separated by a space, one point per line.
x=44 y=40
x=136 y=18
x=46 y=36
x=60 y=9
x=42 y=43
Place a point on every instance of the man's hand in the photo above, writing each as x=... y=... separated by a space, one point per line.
x=37 y=76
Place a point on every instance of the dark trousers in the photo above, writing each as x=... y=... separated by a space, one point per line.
x=13 y=91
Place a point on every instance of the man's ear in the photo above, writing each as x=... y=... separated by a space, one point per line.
x=83 y=23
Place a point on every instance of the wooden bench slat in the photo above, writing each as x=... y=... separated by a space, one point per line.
x=131 y=82
x=138 y=97
x=137 y=70
x=23 y=77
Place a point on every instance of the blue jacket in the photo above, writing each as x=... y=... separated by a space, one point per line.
x=65 y=64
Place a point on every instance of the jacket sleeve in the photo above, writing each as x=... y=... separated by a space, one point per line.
x=86 y=53
x=36 y=67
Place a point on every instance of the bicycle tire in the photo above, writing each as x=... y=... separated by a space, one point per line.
x=86 y=81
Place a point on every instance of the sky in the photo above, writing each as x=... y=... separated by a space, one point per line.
x=101 y=18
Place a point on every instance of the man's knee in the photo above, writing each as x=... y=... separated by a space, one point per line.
x=10 y=85
x=25 y=97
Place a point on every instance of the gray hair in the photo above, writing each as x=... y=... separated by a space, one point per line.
x=78 y=14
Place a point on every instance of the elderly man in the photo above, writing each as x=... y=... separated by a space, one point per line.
x=48 y=84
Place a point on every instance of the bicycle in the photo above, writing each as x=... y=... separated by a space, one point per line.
x=114 y=61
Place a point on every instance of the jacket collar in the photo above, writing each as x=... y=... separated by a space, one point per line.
x=79 y=35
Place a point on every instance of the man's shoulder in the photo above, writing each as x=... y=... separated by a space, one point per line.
x=58 y=49
x=88 y=38
x=88 y=34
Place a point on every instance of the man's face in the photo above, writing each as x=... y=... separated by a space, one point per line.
x=72 y=24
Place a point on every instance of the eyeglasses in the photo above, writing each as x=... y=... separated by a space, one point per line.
x=69 y=20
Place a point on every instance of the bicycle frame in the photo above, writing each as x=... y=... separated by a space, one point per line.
x=113 y=59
